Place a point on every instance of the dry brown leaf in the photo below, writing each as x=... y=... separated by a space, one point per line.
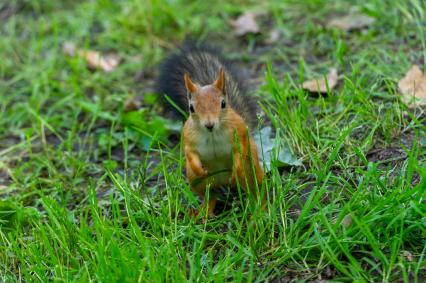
x=320 y=85
x=131 y=104
x=68 y=48
x=274 y=35
x=245 y=23
x=347 y=220
x=94 y=59
x=407 y=255
x=351 y=22
x=413 y=86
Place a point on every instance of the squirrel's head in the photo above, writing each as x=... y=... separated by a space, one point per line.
x=207 y=104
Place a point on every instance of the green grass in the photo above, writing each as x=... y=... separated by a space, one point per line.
x=91 y=192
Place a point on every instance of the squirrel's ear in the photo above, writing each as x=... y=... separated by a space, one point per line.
x=190 y=86
x=220 y=82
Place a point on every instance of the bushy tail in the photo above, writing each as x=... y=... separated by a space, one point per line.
x=202 y=64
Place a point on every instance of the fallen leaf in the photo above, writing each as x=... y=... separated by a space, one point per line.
x=245 y=23
x=413 y=86
x=320 y=85
x=274 y=35
x=131 y=104
x=69 y=48
x=351 y=22
x=273 y=151
x=347 y=220
x=407 y=255
x=94 y=59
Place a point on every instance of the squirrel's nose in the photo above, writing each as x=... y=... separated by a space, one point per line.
x=209 y=126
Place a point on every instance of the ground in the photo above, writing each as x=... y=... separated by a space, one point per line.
x=91 y=173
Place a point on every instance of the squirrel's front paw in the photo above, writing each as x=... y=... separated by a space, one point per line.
x=193 y=212
x=202 y=173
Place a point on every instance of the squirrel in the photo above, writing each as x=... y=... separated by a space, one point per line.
x=219 y=150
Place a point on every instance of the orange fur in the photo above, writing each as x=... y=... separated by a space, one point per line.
x=229 y=137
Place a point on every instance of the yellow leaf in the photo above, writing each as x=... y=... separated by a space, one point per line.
x=351 y=22
x=94 y=59
x=413 y=86
x=244 y=24
x=320 y=85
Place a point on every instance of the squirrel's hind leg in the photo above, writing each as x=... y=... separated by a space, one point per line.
x=199 y=187
x=250 y=181
x=211 y=204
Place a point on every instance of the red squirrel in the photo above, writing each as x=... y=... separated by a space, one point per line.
x=219 y=149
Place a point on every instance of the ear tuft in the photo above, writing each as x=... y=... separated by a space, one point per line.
x=220 y=82
x=190 y=86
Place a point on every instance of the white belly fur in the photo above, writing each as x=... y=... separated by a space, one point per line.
x=215 y=150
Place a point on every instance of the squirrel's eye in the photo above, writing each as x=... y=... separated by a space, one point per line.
x=191 y=108
x=223 y=105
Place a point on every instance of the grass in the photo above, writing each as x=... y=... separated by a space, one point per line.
x=90 y=192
